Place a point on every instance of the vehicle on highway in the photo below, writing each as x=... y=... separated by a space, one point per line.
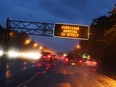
x=91 y=63
x=54 y=57
x=46 y=56
x=58 y=43
x=72 y=59
x=45 y=59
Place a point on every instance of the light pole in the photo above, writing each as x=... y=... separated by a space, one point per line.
x=41 y=48
x=78 y=46
x=27 y=41
x=11 y=34
x=35 y=45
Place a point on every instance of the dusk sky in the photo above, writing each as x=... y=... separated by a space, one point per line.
x=50 y=11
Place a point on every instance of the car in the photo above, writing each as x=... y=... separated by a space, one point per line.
x=72 y=59
x=91 y=63
x=54 y=57
x=46 y=57
x=45 y=60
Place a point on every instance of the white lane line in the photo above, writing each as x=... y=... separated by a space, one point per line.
x=23 y=84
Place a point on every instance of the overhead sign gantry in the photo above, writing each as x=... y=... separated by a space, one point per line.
x=62 y=30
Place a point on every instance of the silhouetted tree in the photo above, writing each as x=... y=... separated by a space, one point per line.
x=102 y=42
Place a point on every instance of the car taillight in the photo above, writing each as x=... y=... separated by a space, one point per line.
x=95 y=63
x=39 y=64
x=80 y=61
x=49 y=56
x=66 y=60
x=87 y=62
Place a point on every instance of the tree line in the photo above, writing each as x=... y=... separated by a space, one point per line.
x=16 y=39
x=102 y=42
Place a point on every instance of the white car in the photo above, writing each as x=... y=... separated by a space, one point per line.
x=91 y=62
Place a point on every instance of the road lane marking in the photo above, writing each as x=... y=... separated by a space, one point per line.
x=23 y=84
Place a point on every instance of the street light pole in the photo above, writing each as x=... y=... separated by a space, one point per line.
x=78 y=46
x=35 y=45
x=27 y=41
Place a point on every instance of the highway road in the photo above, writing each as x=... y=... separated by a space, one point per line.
x=18 y=75
x=59 y=76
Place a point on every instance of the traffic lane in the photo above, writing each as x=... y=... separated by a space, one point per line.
x=54 y=75
x=23 y=74
x=71 y=76
x=108 y=72
x=13 y=72
x=88 y=77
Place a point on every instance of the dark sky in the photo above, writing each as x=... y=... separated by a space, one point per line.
x=50 y=11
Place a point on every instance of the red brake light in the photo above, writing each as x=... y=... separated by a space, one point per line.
x=49 y=56
x=39 y=64
x=95 y=63
x=88 y=62
x=80 y=61
x=66 y=59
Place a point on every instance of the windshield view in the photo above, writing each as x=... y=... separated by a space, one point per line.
x=57 y=43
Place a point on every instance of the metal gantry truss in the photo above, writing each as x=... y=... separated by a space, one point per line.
x=31 y=28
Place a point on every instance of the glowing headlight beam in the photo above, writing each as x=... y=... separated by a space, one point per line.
x=1 y=52
x=13 y=54
x=31 y=55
